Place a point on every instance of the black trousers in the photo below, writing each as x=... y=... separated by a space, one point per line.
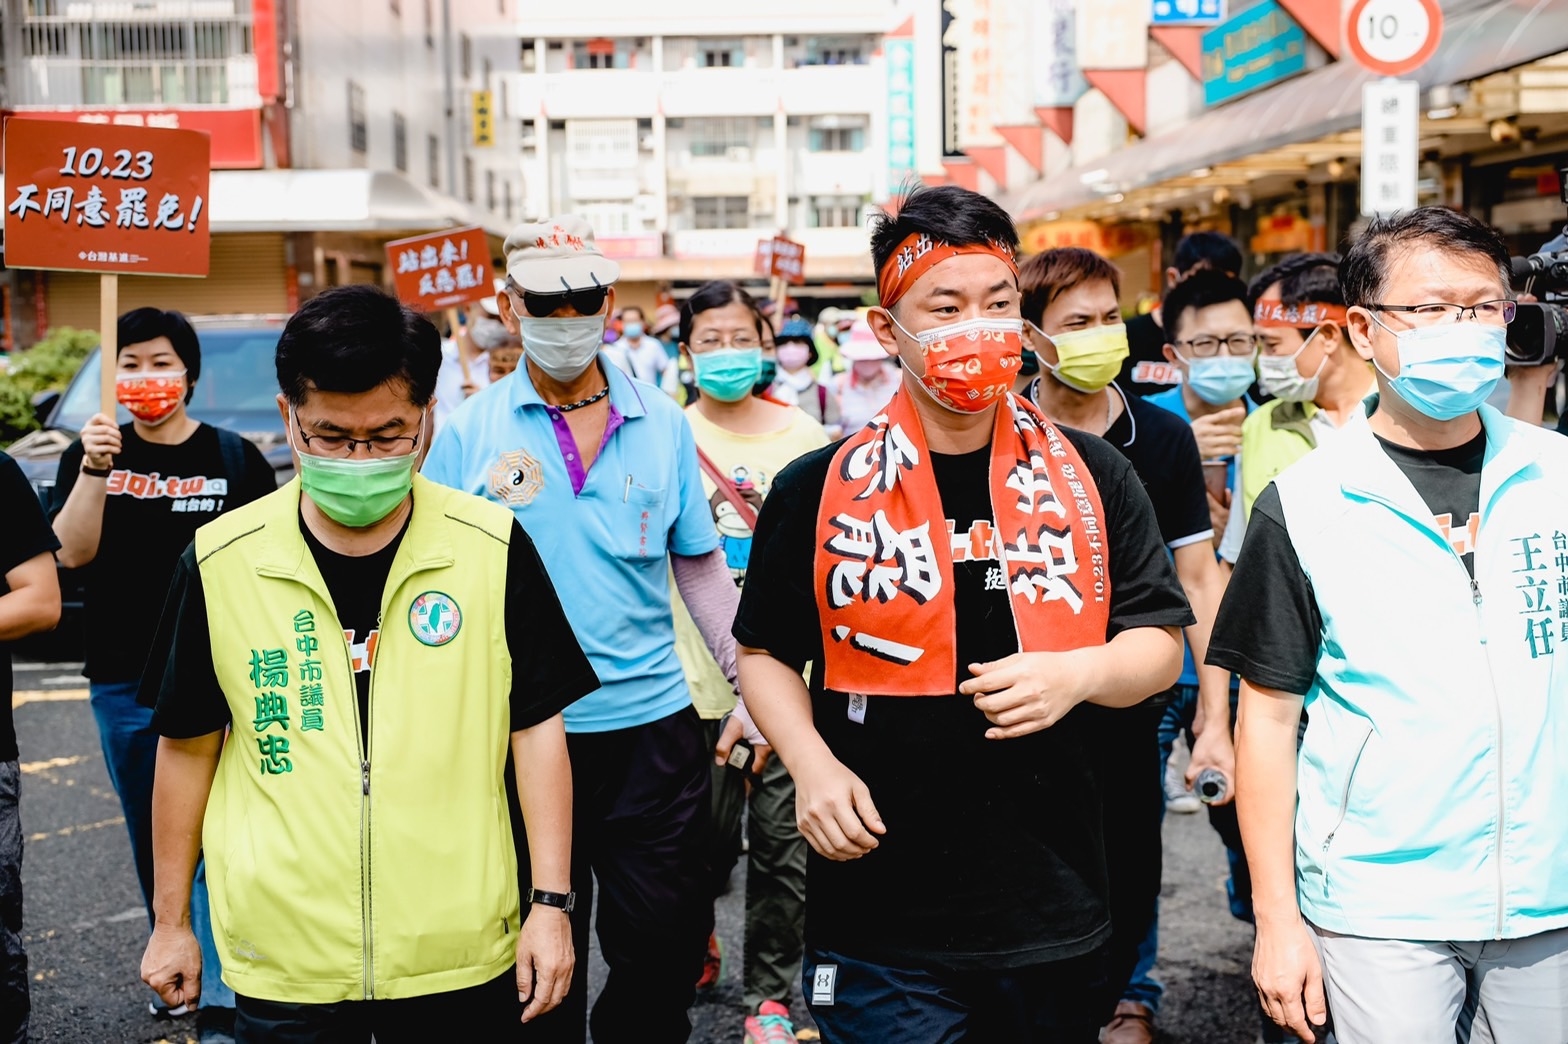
x=488 y=1012
x=641 y=818
x=1132 y=796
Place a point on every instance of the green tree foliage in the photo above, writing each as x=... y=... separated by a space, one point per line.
x=47 y=366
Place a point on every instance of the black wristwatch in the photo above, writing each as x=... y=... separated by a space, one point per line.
x=565 y=902
x=97 y=472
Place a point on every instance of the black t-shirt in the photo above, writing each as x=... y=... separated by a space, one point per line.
x=1164 y=453
x=1269 y=630
x=549 y=669
x=26 y=535
x=993 y=856
x=158 y=497
x=1145 y=370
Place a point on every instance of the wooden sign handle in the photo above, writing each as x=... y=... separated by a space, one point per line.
x=108 y=340
x=462 y=338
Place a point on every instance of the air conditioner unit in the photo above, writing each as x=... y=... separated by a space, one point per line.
x=645 y=141
x=738 y=153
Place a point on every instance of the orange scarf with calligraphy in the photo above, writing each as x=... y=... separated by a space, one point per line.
x=884 y=557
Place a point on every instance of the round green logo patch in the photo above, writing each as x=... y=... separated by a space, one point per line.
x=435 y=618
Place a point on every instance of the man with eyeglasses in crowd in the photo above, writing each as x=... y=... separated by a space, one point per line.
x=603 y=472
x=1146 y=370
x=342 y=673
x=1402 y=584
x=1210 y=339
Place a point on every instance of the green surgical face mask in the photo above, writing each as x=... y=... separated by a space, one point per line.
x=356 y=493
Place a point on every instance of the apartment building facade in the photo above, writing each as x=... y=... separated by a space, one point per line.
x=336 y=126
x=688 y=131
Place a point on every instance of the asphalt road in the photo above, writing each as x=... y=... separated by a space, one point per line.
x=85 y=925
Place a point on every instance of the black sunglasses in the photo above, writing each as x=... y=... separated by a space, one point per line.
x=541 y=306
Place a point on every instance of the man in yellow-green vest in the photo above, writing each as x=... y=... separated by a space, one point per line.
x=1306 y=362
x=375 y=646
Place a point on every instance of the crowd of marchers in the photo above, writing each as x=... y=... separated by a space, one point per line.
x=913 y=608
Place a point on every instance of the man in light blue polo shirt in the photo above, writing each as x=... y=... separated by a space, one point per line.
x=602 y=472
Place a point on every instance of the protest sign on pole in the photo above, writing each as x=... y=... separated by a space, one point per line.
x=443 y=269
x=109 y=199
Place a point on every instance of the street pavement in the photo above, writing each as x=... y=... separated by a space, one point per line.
x=85 y=925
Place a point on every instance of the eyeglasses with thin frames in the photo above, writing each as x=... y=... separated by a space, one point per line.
x=1208 y=347
x=1494 y=313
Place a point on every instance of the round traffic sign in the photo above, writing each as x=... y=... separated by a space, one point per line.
x=1393 y=37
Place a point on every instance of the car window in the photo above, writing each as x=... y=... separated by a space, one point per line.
x=237 y=389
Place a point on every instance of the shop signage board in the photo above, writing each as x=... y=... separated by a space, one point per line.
x=1058 y=81
x=106 y=198
x=1394 y=37
x=443 y=269
x=1390 y=142
x=1257 y=48
x=1187 y=12
x=235 y=133
x=901 y=166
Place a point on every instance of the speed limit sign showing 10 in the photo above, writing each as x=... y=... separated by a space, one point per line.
x=1394 y=37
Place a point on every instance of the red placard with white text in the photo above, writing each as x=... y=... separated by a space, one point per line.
x=104 y=198
x=442 y=269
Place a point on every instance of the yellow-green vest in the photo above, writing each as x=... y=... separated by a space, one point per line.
x=337 y=877
x=1273 y=437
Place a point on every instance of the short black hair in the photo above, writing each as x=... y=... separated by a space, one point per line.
x=946 y=213
x=1363 y=276
x=1208 y=250
x=1202 y=289
x=1047 y=275
x=1302 y=279
x=633 y=308
x=140 y=325
x=350 y=339
x=716 y=294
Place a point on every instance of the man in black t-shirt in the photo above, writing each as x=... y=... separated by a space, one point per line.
x=29 y=603
x=1406 y=585
x=381 y=646
x=1146 y=370
x=1070 y=306
x=945 y=779
x=126 y=502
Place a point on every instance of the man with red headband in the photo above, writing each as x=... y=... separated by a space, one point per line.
x=961 y=575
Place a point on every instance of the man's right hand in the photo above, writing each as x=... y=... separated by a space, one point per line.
x=172 y=965
x=1219 y=434
x=1289 y=976
x=834 y=811
x=100 y=441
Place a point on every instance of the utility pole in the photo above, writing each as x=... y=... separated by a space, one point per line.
x=450 y=89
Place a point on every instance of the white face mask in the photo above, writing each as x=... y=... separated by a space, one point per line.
x=562 y=348
x=1279 y=377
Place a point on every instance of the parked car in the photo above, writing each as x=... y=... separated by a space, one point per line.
x=237 y=390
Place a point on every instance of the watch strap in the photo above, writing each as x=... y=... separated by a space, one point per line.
x=96 y=472
x=566 y=902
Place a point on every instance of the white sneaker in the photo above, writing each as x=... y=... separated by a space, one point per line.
x=1177 y=797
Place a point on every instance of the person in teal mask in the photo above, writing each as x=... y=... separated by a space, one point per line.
x=1208 y=327
x=743 y=441
x=348 y=632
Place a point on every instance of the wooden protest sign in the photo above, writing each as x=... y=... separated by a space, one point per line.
x=87 y=197
x=443 y=269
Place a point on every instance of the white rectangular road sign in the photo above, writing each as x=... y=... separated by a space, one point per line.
x=1390 y=145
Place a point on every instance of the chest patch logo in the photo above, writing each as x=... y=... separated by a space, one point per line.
x=435 y=618
x=516 y=478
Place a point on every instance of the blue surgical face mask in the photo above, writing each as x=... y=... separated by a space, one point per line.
x=1221 y=379
x=1448 y=370
x=632 y=329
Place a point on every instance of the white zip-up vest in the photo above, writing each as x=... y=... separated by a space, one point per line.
x=1433 y=776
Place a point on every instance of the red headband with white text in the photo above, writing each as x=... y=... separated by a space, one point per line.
x=1278 y=314
x=918 y=254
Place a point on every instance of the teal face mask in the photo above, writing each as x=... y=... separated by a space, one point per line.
x=1448 y=370
x=357 y=493
x=728 y=374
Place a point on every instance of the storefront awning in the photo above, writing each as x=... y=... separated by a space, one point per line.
x=1479 y=38
x=331 y=201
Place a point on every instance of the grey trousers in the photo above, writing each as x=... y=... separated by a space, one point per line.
x=1505 y=991
x=775 y=874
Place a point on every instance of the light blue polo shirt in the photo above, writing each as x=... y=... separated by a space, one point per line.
x=607 y=545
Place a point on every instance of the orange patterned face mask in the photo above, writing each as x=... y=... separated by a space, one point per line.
x=970 y=366
x=151 y=397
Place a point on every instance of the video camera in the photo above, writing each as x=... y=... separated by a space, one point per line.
x=1540 y=331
